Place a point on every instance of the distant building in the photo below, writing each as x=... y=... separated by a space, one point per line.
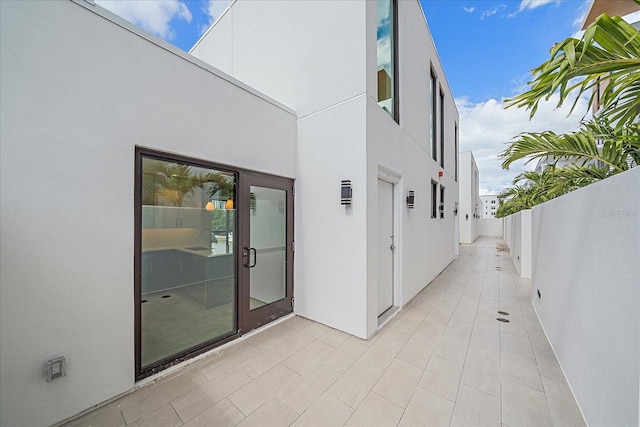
x=490 y=204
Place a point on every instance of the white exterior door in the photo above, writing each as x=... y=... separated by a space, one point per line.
x=385 y=246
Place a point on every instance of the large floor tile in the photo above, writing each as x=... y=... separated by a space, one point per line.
x=356 y=383
x=257 y=392
x=376 y=411
x=223 y=413
x=304 y=391
x=326 y=411
x=272 y=413
x=399 y=382
x=475 y=408
x=427 y=409
x=524 y=406
x=563 y=406
x=442 y=377
x=481 y=374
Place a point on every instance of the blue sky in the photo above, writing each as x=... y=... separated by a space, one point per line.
x=487 y=48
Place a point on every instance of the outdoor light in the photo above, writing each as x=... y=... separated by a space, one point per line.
x=467 y=217
x=411 y=198
x=345 y=192
x=455 y=210
x=229 y=204
x=210 y=207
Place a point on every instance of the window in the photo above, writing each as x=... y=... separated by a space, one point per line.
x=434 y=199
x=185 y=285
x=433 y=132
x=441 y=202
x=441 y=128
x=387 y=54
x=455 y=134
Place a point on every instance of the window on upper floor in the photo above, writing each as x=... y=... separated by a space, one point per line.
x=441 y=128
x=455 y=136
x=387 y=56
x=434 y=199
x=433 y=131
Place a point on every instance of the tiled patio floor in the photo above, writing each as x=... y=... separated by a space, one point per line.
x=443 y=360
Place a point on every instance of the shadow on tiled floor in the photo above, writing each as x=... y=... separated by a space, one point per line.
x=443 y=360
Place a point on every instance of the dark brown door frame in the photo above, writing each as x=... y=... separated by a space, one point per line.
x=248 y=319
x=244 y=320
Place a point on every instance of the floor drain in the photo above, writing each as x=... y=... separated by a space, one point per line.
x=166 y=296
x=504 y=313
x=144 y=300
x=500 y=319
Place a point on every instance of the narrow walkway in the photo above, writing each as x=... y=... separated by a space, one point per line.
x=443 y=360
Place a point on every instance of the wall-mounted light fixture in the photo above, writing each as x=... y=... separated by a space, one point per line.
x=411 y=199
x=209 y=207
x=467 y=217
x=229 y=204
x=455 y=210
x=346 y=192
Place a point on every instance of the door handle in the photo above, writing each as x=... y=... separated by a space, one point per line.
x=247 y=257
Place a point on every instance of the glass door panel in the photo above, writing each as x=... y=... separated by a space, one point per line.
x=187 y=285
x=267 y=250
x=268 y=246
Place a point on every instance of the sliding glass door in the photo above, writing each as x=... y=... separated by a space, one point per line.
x=204 y=275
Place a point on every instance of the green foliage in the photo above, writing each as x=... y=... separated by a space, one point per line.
x=608 y=56
x=605 y=64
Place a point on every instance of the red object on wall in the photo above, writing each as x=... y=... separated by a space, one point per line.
x=440 y=173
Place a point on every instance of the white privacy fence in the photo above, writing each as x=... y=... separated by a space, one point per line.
x=583 y=255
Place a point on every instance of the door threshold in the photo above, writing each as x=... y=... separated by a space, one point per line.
x=387 y=315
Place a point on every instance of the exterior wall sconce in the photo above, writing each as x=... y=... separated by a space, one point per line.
x=467 y=217
x=455 y=210
x=411 y=198
x=346 y=192
x=229 y=204
x=210 y=207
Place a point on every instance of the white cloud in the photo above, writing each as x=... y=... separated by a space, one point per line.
x=488 y=13
x=468 y=9
x=153 y=16
x=215 y=8
x=532 y=4
x=486 y=128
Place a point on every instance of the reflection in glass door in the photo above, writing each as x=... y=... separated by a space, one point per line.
x=186 y=285
x=267 y=251
x=268 y=243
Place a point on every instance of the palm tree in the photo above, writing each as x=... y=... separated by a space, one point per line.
x=605 y=62
x=617 y=148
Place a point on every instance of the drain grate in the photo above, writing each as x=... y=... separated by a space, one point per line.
x=500 y=319
x=504 y=313
x=166 y=296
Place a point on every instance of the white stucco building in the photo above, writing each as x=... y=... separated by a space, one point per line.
x=149 y=195
x=470 y=203
x=490 y=204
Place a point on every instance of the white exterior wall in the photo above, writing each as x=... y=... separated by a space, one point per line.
x=490 y=226
x=286 y=50
x=78 y=93
x=518 y=237
x=589 y=293
x=470 y=203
